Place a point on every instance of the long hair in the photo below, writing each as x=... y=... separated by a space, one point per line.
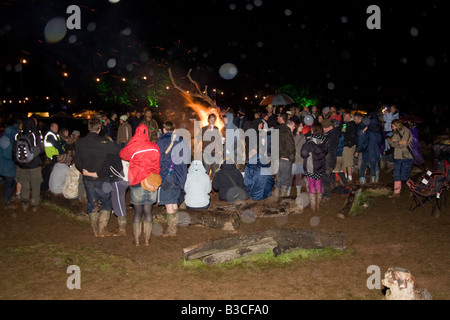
x=398 y=124
x=317 y=128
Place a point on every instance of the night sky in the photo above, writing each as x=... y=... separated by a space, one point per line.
x=324 y=45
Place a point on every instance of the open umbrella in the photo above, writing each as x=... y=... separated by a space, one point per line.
x=279 y=99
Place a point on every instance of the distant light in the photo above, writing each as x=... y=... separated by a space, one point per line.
x=144 y=77
x=123 y=79
x=97 y=79
x=65 y=74
x=113 y=1
x=24 y=61
x=167 y=87
x=46 y=98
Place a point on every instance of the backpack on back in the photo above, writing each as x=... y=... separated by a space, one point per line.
x=26 y=147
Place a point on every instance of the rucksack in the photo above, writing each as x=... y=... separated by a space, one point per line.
x=26 y=147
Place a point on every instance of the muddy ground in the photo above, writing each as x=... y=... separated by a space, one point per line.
x=36 y=249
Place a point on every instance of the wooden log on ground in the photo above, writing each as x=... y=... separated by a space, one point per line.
x=359 y=194
x=277 y=240
x=217 y=219
x=402 y=286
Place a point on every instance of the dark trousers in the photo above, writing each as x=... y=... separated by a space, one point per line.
x=9 y=183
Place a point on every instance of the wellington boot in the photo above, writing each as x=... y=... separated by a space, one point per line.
x=397 y=189
x=275 y=194
x=283 y=192
x=93 y=218
x=312 y=201
x=148 y=226
x=137 y=229
x=318 y=200
x=122 y=220
x=172 y=225
x=103 y=220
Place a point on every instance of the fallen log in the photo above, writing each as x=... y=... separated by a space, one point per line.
x=216 y=219
x=278 y=240
x=360 y=197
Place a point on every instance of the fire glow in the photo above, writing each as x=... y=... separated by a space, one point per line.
x=203 y=112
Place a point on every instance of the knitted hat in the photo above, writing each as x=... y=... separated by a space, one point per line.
x=65 y=158
x=123 y=118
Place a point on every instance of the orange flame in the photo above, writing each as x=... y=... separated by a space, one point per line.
x=203 y=112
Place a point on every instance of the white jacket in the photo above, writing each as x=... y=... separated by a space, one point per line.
x=197 y=186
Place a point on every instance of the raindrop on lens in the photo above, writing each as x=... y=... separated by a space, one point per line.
x=72 y=38
x=414 y=32
x=431 y=61
x=314 y=221
x=257 y=3
x=228 y=71
x=344 y=19
x=330 y=85
x=55 y=30
x=111 y=63
x=18 y=67
x=91 y=26
x=232 y=6
x=288 y=12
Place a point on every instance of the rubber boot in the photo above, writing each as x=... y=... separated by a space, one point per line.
x=137 y=229
x=148 y=226
x=172 y=224
x=318 y=200
x=299 y=191
x=103 y=220
x=275 y=193
x=373 y=179
x=122 y=220
x=283 y=191
x=93 y=218
x=362 y=180
x=377 y=177
x=312 y=201
x=397 y=189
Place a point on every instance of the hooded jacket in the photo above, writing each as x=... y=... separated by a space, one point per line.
x=287 y=143
x=143 y=155
x=197 y=186
x=7 y=165
x=228 y=181
x=371 y=141
x=169 y=160
x=258 y=185
x=314 y=151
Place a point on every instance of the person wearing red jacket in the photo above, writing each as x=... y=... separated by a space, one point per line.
x=144 y=157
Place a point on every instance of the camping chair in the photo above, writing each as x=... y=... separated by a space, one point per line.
x=431 y=187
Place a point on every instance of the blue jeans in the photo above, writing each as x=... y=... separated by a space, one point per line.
x=372 y=166
x=402 y=169
x=98 y=191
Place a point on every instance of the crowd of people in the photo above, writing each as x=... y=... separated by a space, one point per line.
x=318 y=150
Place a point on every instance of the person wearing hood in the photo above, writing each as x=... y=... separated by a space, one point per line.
x=29 y=175
x=173 y=173
x=90 y=154
x=144 y=158
x=370 y=146
x=229 y=183
x=7 y=165
x=197 y=187
x=314 y=153
x=258 y=180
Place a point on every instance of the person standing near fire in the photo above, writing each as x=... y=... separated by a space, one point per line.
x=209 y=140
x=152 y=125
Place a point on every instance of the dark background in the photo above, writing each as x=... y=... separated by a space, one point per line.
x=312 y=44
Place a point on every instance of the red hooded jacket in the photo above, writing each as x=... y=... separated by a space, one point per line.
x=142 y=154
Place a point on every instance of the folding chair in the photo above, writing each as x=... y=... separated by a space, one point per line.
x=432 y=187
